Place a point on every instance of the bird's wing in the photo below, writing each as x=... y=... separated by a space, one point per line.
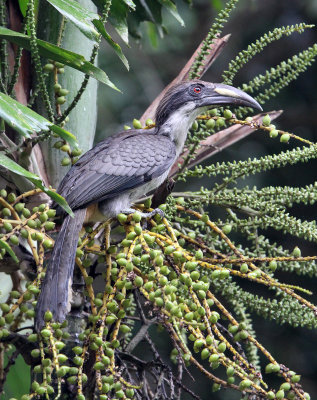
x=119 y=163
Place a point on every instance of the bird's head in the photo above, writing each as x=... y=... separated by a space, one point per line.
x=186 y=100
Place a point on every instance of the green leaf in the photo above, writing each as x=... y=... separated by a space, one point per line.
x=101 y=3
x=78 y=15
x=23 y=6
x=99 y=25
x=8 y=249
x=27 y=122
x=69 y=137
x=86 y=21
x=118 y=19
x=50 y=51
x=171 y=7
x=20 y=118
x=11 y=165
x=130 y=4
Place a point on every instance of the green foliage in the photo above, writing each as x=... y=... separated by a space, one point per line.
x=254 y=48
x=213 y=33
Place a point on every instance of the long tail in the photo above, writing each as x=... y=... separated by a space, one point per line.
x=59 y=273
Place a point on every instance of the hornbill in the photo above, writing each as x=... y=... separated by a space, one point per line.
x=121 y=169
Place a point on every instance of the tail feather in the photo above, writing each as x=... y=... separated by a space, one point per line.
x=59 y=272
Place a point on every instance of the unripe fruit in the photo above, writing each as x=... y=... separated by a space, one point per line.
x=122 y=218
x=7 y=226
x=220 y=122
x=273 y=265
x=285 y=386
x=273 y=133
x=246 y=383
x=60 y=70
x=296 y=252
x=214 y=316
x=244 y=268
x=14 y=240
x=266 y=121
x=194 y=126
x=11 y=197
x=285 y=139
x=295 y=378
x=61 y=100
x=6 y=212
x=204 y=354
x=230 y=371
x=65 y=148
x=222 y=347
x=227 y=229
x=3 y=193
x=65 y=161
x=137 y=124
x=272 y=368
x=149 y=122
x=48 y=316
x=210 y=124
x=48 y=244
x=280 y=395
x=48 y=67
x=63 y=92
x=138 y=281
x=216 y=387
x=227 y=114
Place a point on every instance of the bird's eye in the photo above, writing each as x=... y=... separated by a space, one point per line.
x=197 y=89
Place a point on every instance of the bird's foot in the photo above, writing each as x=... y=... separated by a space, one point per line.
x=154 y=212
x=147 y=215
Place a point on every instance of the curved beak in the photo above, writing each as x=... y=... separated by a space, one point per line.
x=224 y=94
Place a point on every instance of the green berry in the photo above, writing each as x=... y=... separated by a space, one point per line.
x=49 y=225
x=3 y=193
x=273 y=133
x=210 y=124
x=7 y=226
x=227 y=114
x=149 y=122
x=285 y=386
x=6 y=212
x=11 y=197
x=273 y=265
x=61 y=100
x=285 y=138
x=280 y=395
x=296 y=252
x=48 y=67
x=14 y=240
x=244 y=268
x=122 y=218
x=220 y=122
x=137 y=124
x=194 y=126
x=19 y=207
x=63 y=92
x=65 y=161
x=227 y=229
x=246 y=383
x=266 y=121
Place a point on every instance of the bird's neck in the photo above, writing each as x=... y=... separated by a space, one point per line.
x=177 y=125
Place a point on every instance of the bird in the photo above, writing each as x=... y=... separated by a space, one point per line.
x=121 y=169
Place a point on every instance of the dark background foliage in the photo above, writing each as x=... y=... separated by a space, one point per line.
x=154 y=67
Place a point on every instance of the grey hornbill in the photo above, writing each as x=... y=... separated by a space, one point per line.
x=121 y=169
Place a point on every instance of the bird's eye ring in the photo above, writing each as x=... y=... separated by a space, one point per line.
x=197 y=89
